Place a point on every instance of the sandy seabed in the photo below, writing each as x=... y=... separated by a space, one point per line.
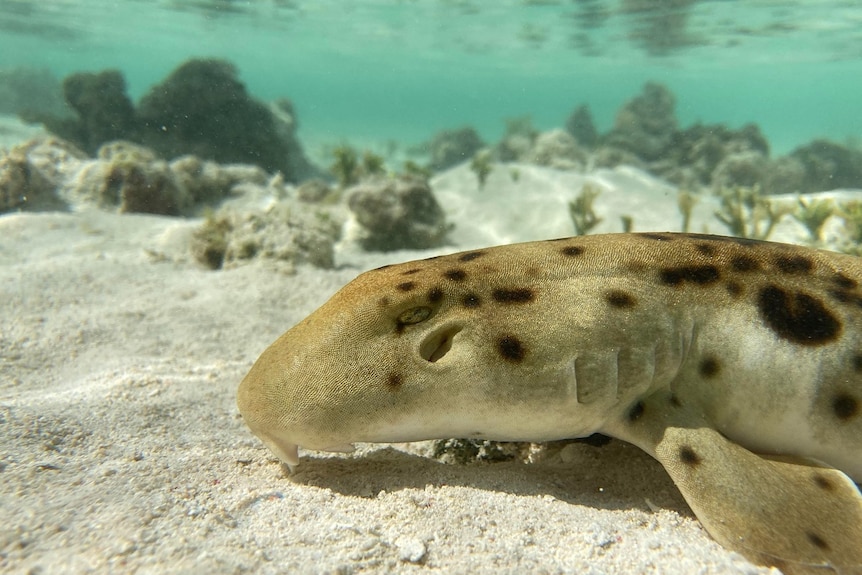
x=122 y=450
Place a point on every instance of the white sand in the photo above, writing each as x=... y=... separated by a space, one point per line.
x=121 y=449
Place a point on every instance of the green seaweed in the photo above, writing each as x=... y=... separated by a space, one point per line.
x=345 y=165
x=372 y=164
x=481 y=166
x=813 y=215
x=851 y=213
x=209 y=242
x=747 y=213
x=581 y=210
x=627 y=222
x=686 y=201
x=411 y=168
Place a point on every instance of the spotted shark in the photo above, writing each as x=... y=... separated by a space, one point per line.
x=737 y=364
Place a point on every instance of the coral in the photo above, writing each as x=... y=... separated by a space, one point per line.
x=208 y=183
x=21 y=185
x=50 y=173
x=558 y=149
x=784 y=175
x=701 y=148
x=609 y=157
x=299 y=167
x=481 y=165
x=581 y=210
x=398 y=213
x=103 y=111
x=580 y=125
x=829 y=166
x=518 y=140
x=646 y=124
x=745 y=169
x=313 y=191
x=31 y=93
x=129 y=178
x=281 y=236
x=202 y=108
x=451 y=147
x=31 y=173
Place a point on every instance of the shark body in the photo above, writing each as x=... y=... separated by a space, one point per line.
x=737 y=364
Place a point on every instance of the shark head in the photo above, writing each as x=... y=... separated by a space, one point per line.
x=465 y=345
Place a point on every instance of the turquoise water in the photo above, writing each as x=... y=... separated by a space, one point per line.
x=378 y=70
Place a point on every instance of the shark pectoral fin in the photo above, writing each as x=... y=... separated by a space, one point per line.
x=798 y=517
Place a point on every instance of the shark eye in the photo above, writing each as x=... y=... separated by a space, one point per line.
x=414 y=315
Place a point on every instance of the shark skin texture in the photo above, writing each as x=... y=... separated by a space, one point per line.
x=737 y=364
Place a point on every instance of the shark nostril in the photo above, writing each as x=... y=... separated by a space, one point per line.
x=438 y=343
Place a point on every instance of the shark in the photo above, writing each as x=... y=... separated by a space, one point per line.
x=735 y=363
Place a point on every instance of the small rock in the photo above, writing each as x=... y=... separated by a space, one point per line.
x=410 y=549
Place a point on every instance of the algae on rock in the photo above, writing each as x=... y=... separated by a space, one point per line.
x=281 y=235
x=398 y=213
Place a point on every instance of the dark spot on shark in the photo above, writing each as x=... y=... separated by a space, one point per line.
x=845 y=406
x=456 y=275
x=744 y=264
x=797 y=316
x=794 y=264
x=705 y=249
x=636 y=411
x=620 y=299
x=822 y=482
x=511 y=348
x=435 y=295
x=700 y=275
x=471 y=300
x=709 y=367
x=817 y=540
x=734 y=289
x=394 y=381
x=514 y=295
x=470 y=256
x=843 y=282
x=689 y=456
x=572 y=251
